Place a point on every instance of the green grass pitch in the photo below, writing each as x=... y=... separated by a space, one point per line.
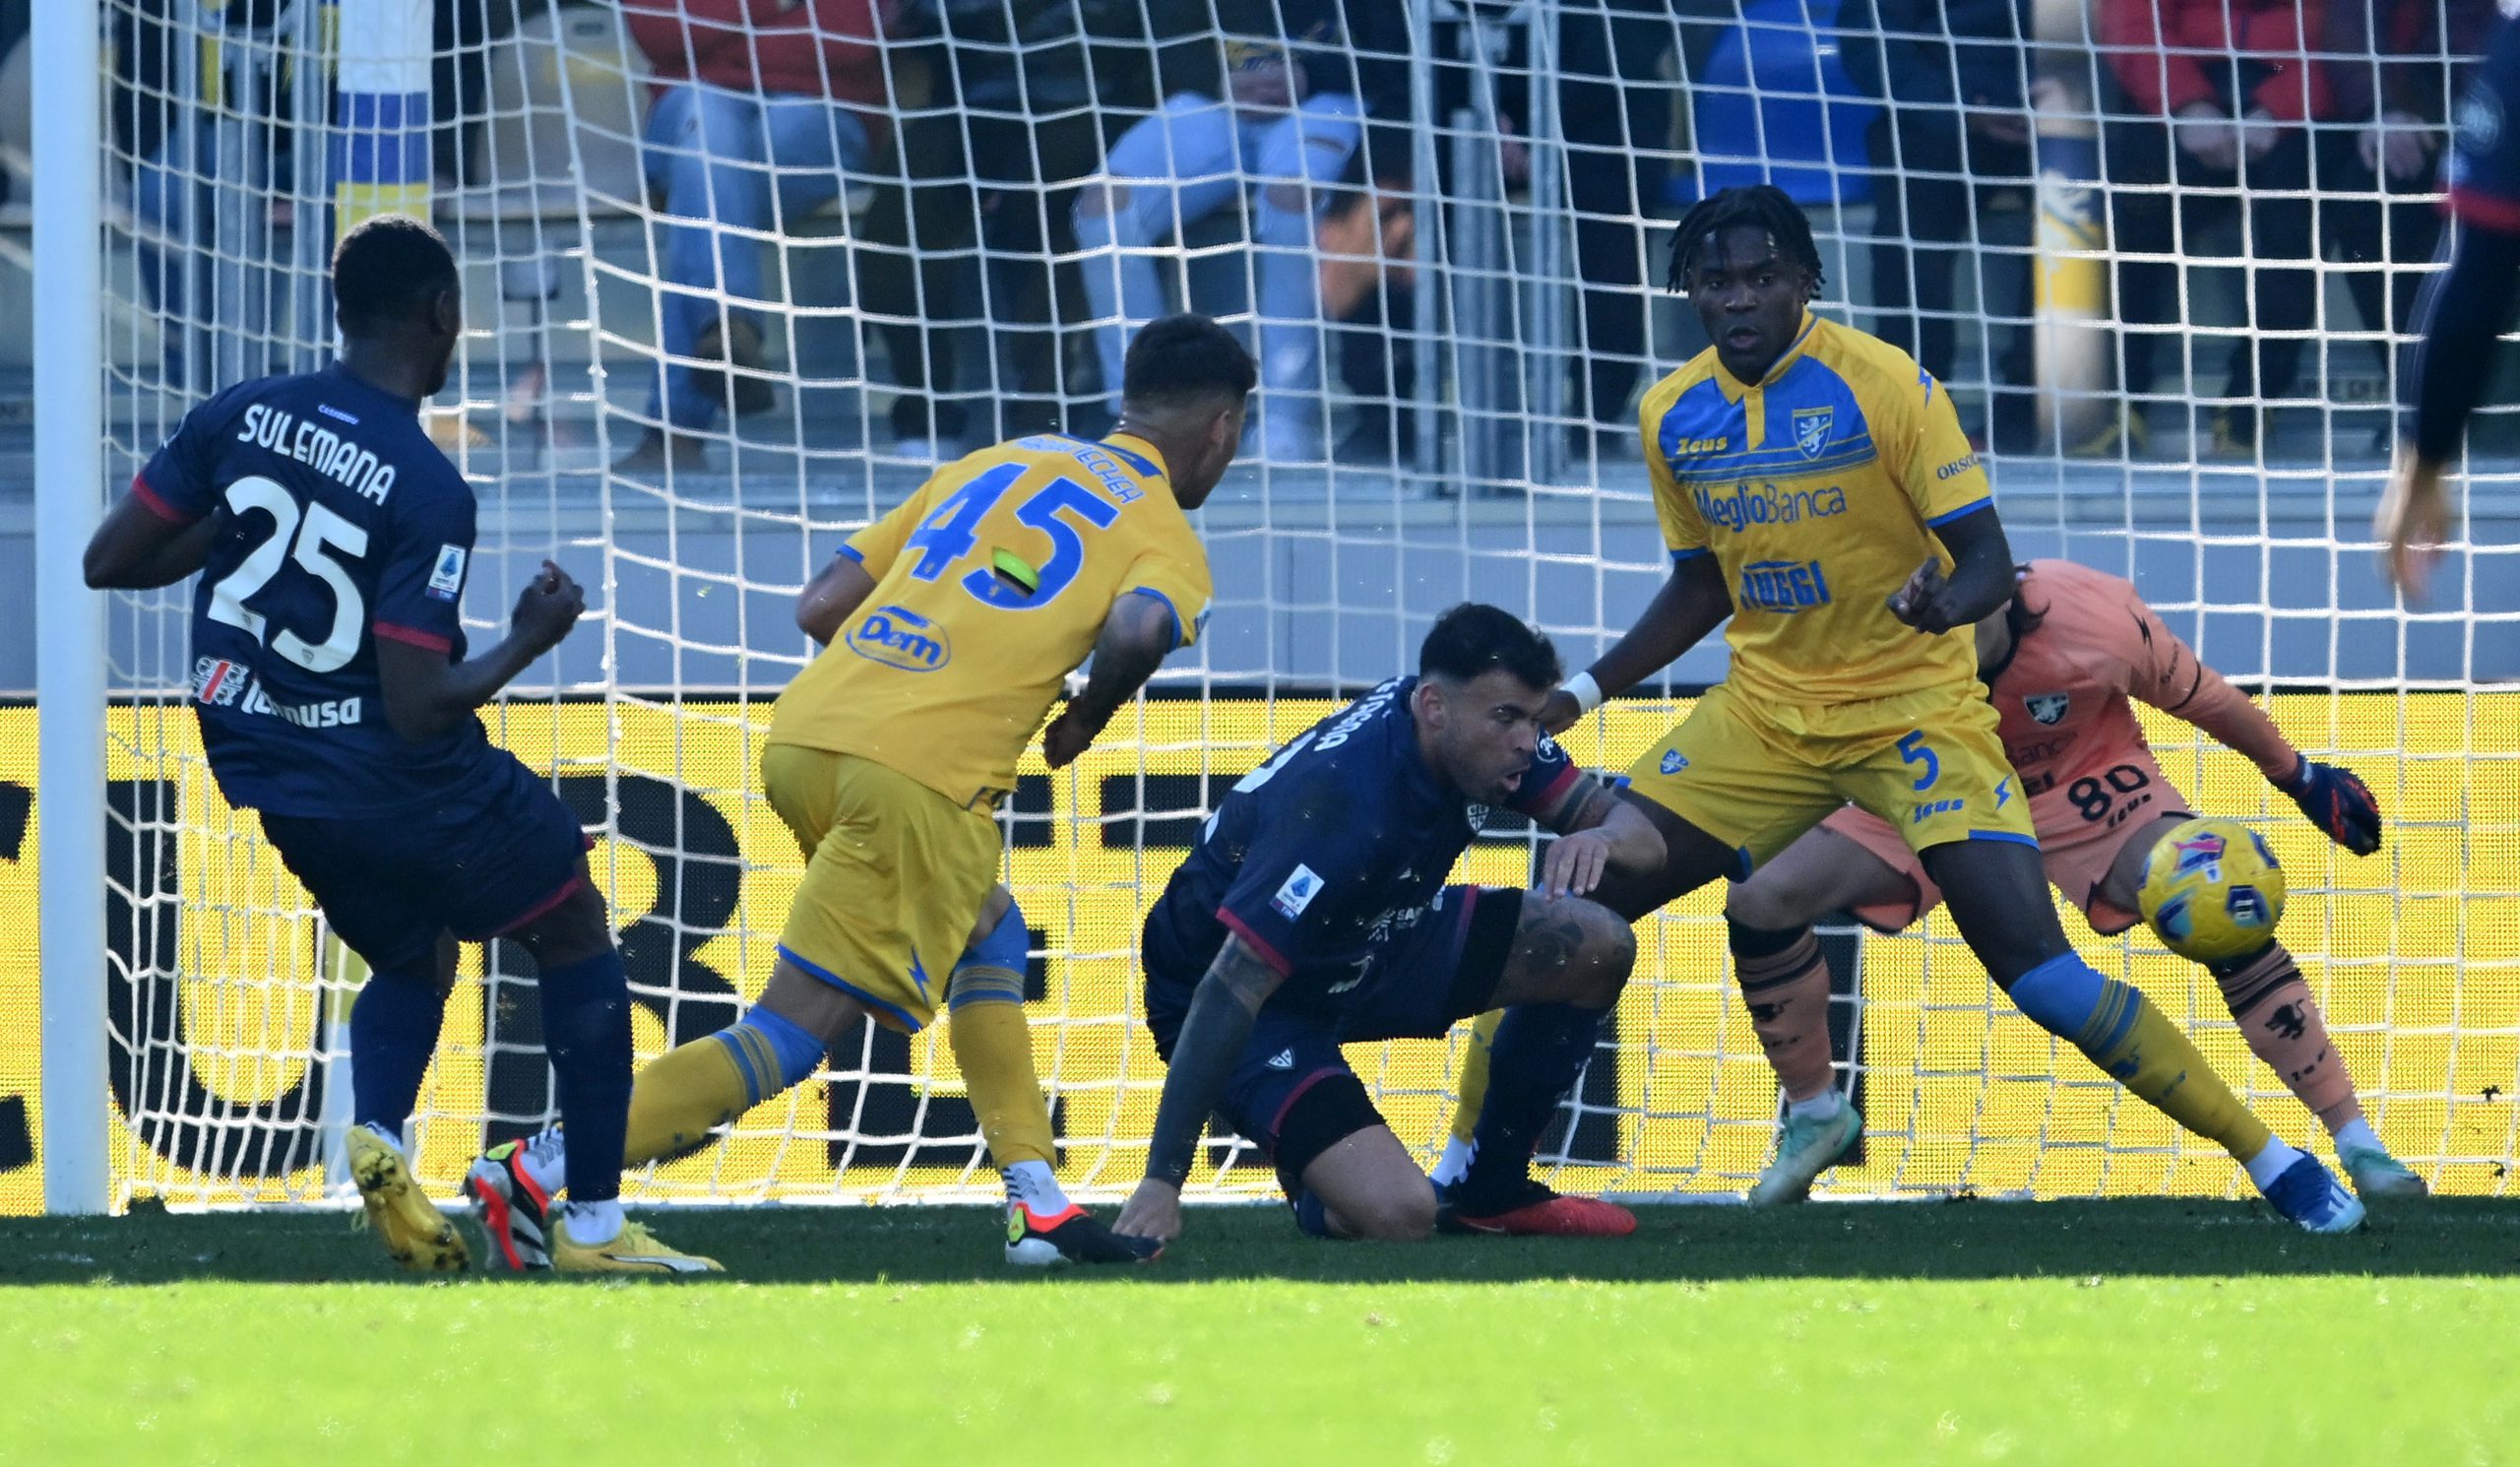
x=2139 y=1333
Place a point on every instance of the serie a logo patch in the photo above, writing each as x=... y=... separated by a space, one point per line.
x=446 y=582
x=1296 y=892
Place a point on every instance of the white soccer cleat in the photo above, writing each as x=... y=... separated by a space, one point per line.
x=2377 y=1174
x=1805 y=1148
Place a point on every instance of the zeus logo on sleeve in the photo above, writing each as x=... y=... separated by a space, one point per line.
x=1296 y=892
x=1783 y=586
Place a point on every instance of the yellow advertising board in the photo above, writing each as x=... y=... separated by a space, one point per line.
x=220 y=1012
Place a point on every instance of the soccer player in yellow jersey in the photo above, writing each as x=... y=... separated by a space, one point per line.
x=952 y=623
x=1814 y=486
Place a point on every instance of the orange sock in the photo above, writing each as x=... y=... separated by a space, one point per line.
x=1787 y=992
x=2281 y=1021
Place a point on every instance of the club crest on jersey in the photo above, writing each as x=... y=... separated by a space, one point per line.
x=217 y=683
x=1812 y=429
x=900 y=638
x=2048 y=708
x=1478 y=816
x=446 y=582
x=1673 y=761
x=1296 y=892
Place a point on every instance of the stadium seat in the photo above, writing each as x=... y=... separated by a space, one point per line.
x=1806 y=135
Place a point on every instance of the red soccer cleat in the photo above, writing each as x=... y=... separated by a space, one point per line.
x=1541 y=1213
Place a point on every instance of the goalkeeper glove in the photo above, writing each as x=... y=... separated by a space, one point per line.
x=2337 y=801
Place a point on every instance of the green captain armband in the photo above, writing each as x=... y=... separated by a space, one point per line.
x=1015 y=572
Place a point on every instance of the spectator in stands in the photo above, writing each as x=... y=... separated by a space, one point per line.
x=761 y=108
x=1615 y=111
x=963 y=252
x=1273 y=103
x=2219 y=96
x=463 y=34
x=1957 y=127
x=2394 y=67
x=171 y=146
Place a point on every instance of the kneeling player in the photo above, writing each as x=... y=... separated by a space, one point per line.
x=2061 y=661
x=1313 y=914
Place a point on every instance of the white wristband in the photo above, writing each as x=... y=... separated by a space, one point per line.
x=1588 y=693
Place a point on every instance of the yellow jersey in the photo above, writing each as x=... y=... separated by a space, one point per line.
x=1816 y=490
x=945 y=670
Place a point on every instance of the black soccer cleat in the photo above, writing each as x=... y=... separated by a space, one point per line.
x=1070 y=1237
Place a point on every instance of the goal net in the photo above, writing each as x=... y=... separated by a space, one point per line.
x=739 y=274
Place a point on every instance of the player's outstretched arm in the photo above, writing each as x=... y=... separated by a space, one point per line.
x=835 y=593
x=2168 y=674
x=1137 y=636
x=1690 y=605
x=2464 y=312
x=1979 y=583
x=1597 y=831
x=1213 y=1034
x=138 y=548
x=426 y=694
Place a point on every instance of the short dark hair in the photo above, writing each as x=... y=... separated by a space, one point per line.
x=1185 y=356
x=1762 y=205
x=1473 y=638
x=387 y=270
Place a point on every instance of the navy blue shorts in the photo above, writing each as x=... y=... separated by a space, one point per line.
x=478 y=862
x=1433 y=975
x=2485 y=142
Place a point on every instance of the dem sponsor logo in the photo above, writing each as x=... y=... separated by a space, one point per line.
x=900 y=638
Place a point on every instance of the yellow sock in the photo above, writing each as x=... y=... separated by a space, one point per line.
x=691 y=1090
x=993 y=1049
x=1474 y=1075
x=2138 y=1044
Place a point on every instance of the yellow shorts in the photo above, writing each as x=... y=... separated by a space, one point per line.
x=895 y=875
x=1930 y=763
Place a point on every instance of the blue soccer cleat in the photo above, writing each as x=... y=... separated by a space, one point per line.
x=2308 y=1193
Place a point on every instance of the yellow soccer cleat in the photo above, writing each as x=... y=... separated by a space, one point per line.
x=634 y=1250
x=415 y=1233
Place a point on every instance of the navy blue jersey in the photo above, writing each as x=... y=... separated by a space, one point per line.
x=1325 y=854
x=345 y=524
x=2484 y=145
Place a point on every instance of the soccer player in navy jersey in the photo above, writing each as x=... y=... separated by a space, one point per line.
x=2463 y=313
x=335 y=701
x=1313 y=912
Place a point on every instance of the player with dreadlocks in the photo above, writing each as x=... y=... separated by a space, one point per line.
x=1813 y=486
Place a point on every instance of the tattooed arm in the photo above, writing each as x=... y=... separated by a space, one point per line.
x=1212 y=1038
x=1596 y=832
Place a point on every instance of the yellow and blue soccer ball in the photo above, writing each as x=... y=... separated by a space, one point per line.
x=2212 y=890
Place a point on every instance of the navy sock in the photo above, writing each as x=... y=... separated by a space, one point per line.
x=586 y=1030
x=394 y=1024
x=1538 y=1050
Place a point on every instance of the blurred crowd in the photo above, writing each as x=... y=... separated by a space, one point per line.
x=1019 y=180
